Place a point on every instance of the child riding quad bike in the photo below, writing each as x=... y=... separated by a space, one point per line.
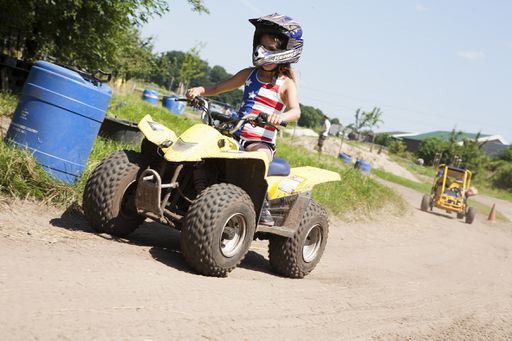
x=450 y=191
x=202 y=184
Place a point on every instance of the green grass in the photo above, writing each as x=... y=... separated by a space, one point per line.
x=133 y=109
x=495 y=193
x=419 y=186
x=8 y=104
x=22 y=177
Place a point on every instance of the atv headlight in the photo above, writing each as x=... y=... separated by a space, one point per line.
x=182 y=146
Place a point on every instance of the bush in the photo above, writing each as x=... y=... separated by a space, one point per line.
x=383 y=139
x=503 y=177
x=396 y=147
x=430 y=147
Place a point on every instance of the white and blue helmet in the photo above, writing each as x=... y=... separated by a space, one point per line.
x=284 y=27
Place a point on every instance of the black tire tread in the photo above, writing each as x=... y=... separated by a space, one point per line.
x=102 y=190
x=425 y=202
x=470 y=215
x=197 y=234
x=285 y=254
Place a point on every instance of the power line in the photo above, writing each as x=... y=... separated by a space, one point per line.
x=392 y=106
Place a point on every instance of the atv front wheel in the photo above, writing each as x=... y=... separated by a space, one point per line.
x=470 y=215
x=297 y=256
x=109 y=195
x=425 y=202
x=218 y=230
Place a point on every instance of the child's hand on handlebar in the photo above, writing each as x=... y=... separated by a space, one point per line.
x=274 y=119
x=194 y=92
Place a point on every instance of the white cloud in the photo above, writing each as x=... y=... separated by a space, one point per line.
x=471 y=55
x=421 y=8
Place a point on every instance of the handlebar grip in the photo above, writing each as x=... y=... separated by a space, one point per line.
x=284 y=124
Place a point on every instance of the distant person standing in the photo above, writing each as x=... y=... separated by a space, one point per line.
x=326 y=126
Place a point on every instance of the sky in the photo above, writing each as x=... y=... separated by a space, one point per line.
x=428 y=65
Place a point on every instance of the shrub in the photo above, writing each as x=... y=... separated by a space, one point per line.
x=396 y=147
x=503 y=177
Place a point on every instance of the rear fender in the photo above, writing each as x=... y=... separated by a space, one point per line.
x=156 y=132
x=301 y=179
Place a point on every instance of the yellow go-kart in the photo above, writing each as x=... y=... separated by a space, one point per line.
x=450 y=192
x=204 y=185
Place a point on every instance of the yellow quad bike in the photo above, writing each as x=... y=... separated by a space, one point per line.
x=450 y=191
x=202 y=184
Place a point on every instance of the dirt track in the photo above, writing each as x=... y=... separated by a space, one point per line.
x=420 y=276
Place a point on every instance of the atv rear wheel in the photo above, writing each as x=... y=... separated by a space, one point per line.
x=109 y=195
x=218 y=230
x=470 y=215
x=297 y=256
x=426 y=202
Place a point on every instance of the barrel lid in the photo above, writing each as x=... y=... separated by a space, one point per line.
x=59 y=70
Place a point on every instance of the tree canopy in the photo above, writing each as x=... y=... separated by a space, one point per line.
x=91 y=34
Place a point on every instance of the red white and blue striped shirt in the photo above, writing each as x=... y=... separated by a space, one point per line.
x=261 y=97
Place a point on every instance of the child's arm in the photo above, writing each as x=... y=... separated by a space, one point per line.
x=229 y=84
x=289 y=96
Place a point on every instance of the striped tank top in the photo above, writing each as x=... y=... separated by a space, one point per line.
x=261 y=97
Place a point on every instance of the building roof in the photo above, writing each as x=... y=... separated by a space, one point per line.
x=445 y=135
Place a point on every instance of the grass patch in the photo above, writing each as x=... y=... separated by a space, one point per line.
x=495 y=193
x=132 y=108
x=22 y=177
x=419 y=186
x=8 y=104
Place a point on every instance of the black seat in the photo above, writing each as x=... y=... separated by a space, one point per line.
x=278 y=167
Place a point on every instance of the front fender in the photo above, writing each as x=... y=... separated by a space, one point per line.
x=156 y=132
x=301 y=179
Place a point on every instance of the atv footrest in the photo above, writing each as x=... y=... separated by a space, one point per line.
x=148 y=195
x=279 y=230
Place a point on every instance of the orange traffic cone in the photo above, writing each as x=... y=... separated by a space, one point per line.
x=492 y=214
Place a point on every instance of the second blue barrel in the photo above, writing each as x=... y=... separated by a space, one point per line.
x=363 y=166
x=346 y=158
x=176 y=107
x=58 y=118
x=150 y=96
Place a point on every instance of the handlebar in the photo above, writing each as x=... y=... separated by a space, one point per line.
x=236 y=123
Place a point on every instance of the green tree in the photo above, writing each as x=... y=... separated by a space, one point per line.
x=396 y=147
x=192 y=67
x=429 y=147
x=76 y=32
x=310 y=117
x=383 y=139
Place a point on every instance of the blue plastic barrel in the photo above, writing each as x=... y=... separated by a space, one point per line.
x=346 y=158
x=363 y=166
x=58 y=118
x=150 y=96
x=170 y=103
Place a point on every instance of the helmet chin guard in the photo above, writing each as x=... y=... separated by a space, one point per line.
x=263 y=56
